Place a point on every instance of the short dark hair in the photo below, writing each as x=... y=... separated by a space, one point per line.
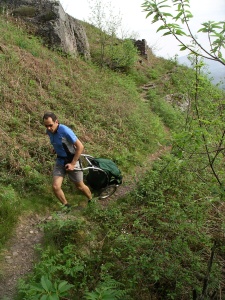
x=49 y=115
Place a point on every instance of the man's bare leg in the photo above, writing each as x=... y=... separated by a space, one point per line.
x=56 y=185
x=84 y=189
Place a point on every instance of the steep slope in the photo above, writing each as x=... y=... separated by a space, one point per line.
x=19 y=255
x=104 y=108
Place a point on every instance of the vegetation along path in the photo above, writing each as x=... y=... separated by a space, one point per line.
x=18 y=258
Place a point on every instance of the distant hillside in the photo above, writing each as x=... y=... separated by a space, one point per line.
x=214 y=70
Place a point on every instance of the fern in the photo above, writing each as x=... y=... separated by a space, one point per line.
x=108 y=289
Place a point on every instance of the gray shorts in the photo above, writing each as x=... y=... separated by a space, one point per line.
x=75 y=176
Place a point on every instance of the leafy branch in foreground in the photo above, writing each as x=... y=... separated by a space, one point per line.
x=198 y=112
x=214 y=30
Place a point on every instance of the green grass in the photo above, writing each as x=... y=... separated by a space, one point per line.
x=10 y=208
x=104 y=108
x=144 y=235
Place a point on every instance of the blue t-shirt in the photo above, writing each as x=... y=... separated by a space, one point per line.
x=63 y=138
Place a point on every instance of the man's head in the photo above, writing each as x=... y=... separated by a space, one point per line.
x=50 y=121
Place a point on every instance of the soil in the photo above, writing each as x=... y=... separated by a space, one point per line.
x=19 y=256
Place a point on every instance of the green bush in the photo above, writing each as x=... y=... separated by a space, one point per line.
x=10 y=209
x=122 y=56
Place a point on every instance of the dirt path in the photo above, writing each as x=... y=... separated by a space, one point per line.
x=18 y=258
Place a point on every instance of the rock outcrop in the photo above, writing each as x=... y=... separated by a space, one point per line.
x=58 y=29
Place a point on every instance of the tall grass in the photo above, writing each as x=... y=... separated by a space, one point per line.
x=10 y=208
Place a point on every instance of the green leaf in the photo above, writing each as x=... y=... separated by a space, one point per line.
x=46 y=283
x=36 y=288
x=167 y=14
x=44 y=297
x=189 y=16
x=161 y=6
x=163 y=27
x=64 y=286
x=216 y=25
x=92 y=296
x=167 y=33
x=173 y=25
x=53 y=297
x=155 y=19
x=149 y=14
x=178 y=16
x=183 y=48
x=203 y=30
x=180 y=32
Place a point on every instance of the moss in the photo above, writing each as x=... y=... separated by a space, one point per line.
x=25 y=11
x=48 y=16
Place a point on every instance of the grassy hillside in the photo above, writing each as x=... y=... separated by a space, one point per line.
x=163 y=241
x=104 y=108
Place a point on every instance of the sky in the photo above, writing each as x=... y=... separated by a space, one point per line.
x=134 y=21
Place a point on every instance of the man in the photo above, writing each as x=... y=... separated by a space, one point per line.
x=68 y=149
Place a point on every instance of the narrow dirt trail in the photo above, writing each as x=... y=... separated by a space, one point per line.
x=19 y=256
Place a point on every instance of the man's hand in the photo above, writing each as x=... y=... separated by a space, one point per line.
x=70 y=167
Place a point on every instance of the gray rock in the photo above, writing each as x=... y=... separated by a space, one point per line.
x=58 y=29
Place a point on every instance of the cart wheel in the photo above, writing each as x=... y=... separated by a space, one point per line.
x=107 y=191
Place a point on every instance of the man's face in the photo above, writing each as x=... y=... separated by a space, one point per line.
x=51 y=125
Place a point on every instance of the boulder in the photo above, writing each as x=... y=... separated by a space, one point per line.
x=58 y=29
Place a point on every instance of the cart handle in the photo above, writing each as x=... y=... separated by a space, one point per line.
x=87 y=168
